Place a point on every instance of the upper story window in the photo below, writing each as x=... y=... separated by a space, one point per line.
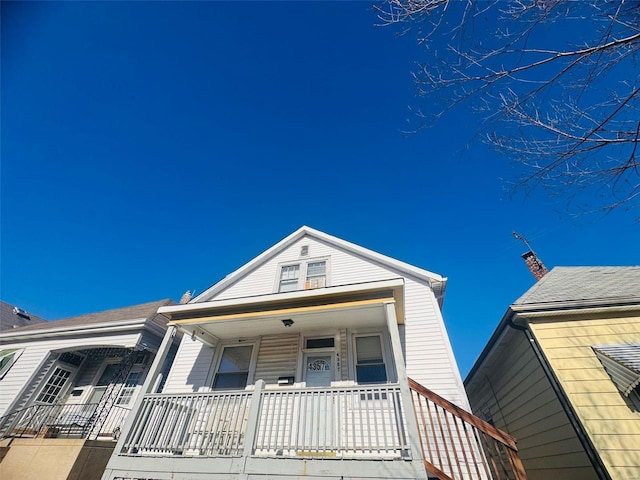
x=303 y=276
x=289 y=278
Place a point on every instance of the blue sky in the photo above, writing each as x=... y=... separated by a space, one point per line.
x=151 y=148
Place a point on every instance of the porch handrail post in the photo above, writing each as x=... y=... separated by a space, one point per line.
x=147 y=387
x=403 y=381
x=252 y=420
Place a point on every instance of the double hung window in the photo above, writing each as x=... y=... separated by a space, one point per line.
x=289 y=278
x=233 y=369
x=370 y=365
x=303 y=275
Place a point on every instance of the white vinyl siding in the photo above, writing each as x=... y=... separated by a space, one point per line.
x=428 y=353
x=277 y=357
x=191 y=367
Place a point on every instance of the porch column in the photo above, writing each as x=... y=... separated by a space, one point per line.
x=403 y=381
x=147 y=387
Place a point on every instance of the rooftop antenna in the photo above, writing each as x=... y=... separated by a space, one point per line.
x=534 y=264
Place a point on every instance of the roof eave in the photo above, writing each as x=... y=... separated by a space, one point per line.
x=105 y=327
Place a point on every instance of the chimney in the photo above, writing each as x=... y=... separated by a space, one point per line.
x=535 y=265
x=186 y=297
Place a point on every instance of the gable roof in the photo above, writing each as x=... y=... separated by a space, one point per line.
x=13 y=317
x=437 y=282
x=143 y=311
x=589 y=285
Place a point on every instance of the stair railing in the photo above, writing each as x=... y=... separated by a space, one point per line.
x=457 y=445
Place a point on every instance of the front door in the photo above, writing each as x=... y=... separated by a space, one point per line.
x=318 y=370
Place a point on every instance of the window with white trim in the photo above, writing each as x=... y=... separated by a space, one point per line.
x=7 y=358
x=54 y=386
x=131 y=383
x=303 y=276
x=369 y=356
x=233 y=368
x=289 y=278
x=316 y=275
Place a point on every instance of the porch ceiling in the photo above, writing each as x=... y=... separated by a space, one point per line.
x=346 y=306
x=361 y=314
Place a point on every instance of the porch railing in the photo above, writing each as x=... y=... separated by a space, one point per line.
x=458 y=445
x=332 y=422
x=207 y=424
x=62 y=421
x=313 y=422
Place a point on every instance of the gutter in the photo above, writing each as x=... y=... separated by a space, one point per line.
x=584 y=439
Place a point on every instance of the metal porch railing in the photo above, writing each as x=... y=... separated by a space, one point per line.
x=458 y=445
x=62 y=421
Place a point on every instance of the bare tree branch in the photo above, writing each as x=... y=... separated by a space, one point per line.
x=566 y=110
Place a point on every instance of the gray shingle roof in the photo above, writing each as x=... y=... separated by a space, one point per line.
x=9 y=319
x=592 y=284
x=145 y=310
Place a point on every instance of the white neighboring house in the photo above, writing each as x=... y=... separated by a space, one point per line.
x=309 y=362
x=77 y=377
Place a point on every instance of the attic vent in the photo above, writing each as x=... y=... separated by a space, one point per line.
x=304 y=250
x=20 y=312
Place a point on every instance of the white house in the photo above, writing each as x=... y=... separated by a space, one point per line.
x=72 y=379
x=311 y=361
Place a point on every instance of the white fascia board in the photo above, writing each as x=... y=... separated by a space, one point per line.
x=348 y=246
x=279 y=297
x=106 y=327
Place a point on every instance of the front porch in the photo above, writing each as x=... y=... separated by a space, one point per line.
x=332 y=400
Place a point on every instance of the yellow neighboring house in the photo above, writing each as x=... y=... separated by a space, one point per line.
x=561 y=373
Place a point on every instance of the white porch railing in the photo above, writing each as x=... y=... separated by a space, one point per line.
x=333 y=422
x=315 y=422
x=208 y=424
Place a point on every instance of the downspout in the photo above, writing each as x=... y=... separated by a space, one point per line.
x=583 y=438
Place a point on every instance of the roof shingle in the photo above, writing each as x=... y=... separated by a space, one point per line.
x=567 y=284
x=145 y=310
